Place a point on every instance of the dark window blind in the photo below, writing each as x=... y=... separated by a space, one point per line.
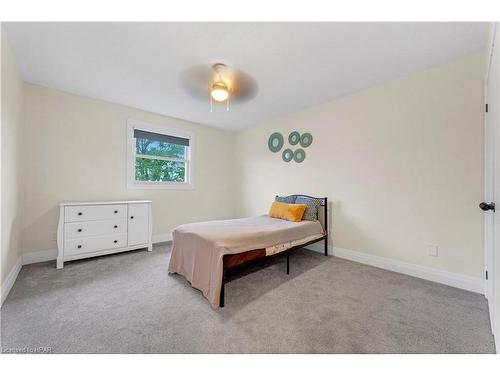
x=161 y=137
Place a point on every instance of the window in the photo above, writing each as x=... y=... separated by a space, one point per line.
x=158 y=157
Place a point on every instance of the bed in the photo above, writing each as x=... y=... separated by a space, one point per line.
x=203 y=252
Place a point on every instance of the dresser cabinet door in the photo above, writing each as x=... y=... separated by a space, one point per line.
x=138 y=223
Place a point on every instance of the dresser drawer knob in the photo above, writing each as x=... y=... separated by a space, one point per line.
x=80 y=213
x=131 y=217
x=116 y=226
x=79 y=246
x=115 y=241
x=79 y=230
x=116 y=211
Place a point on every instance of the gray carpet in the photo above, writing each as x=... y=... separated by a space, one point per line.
x=127 y=303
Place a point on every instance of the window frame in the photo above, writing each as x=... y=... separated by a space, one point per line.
x=132 y=183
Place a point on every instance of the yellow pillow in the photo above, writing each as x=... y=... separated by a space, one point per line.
x=287 y=211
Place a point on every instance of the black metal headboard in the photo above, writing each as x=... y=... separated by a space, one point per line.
x=322 y=216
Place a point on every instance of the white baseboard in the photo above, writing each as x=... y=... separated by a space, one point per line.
x=456 y=280
x=473 y=284
x=51 y=254
x=497 y=344
x=39 y=256
x=10 y=279
x=162 y=237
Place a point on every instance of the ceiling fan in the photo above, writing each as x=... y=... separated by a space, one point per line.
x=222 y=84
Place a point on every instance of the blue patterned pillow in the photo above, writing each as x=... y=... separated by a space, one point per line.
x=287 y=199
x=313 y=204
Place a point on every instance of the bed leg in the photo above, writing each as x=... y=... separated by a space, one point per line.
x=326 y=246
x=288 y=264
x=221 y=298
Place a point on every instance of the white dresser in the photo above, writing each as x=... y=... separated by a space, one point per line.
x=97 y=228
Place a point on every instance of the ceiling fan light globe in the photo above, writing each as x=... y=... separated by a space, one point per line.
x=219 y=91
x=219 y=94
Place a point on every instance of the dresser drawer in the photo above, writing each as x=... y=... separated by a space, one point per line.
x=94 y=228
x=102 y=212
x=91 y=244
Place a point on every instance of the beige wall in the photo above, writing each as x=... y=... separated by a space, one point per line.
x=402 y=164
x=76 y=150
x=11 y=130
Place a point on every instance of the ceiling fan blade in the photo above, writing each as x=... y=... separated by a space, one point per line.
x=244 y=87
x=198 y=81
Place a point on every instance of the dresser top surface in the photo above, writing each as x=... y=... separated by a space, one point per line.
x=100 y=203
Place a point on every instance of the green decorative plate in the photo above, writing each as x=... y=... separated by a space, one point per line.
x=287 y=155
x=299 y=155
x=294 y=138
x=275 y=142
x=306 y=139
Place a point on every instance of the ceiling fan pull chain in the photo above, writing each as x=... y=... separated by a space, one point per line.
x=227 y=104
x=211 y=104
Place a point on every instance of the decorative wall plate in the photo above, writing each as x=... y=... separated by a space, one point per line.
x=287 y=155
x=306 y=139
x=294 y=138
x=299 y=155
x=275 y=142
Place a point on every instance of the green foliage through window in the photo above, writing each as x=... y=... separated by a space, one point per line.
x=160 y=161
x=159 y=170
x=157 y=148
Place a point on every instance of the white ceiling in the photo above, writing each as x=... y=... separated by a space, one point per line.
x=296 y=65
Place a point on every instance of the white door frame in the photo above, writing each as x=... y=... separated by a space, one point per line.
x=489 y=187
x=492 y=183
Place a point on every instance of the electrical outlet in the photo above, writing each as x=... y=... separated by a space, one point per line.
x=54 y=237
x=433 y=250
